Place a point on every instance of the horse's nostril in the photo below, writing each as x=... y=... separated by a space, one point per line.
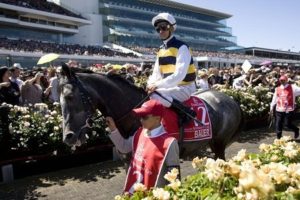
x=69 y=136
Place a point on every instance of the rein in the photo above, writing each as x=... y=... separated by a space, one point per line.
x=138 y=105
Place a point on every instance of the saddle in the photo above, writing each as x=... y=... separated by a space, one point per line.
x=192 y=130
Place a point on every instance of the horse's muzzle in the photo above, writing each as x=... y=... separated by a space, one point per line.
x=70 y=138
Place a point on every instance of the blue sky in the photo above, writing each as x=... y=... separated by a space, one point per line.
x=262 y=23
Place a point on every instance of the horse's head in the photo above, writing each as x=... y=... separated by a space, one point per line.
x=82 y=93
x=76 y=107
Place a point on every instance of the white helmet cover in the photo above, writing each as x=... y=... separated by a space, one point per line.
x=164 y=17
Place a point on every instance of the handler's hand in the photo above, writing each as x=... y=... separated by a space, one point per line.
x=151 y=88
x=110 y=124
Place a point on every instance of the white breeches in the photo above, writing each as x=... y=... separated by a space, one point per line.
x=181 y=93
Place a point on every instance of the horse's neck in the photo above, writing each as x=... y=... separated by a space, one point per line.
x=116 y=98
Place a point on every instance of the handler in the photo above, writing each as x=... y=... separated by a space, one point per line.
x=154 y=153
x=284 y=99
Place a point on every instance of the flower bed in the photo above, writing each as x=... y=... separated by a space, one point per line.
x=37 y=130
x=272 y=174
x=254 y=102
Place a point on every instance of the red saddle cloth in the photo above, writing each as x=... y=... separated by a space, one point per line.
x=192 y=130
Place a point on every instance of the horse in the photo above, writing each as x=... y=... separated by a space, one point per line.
x=81 y=93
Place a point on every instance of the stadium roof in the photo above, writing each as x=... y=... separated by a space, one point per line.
x=270 y=50
x=187 y=7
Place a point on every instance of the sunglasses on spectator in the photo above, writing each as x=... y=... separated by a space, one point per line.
x=162 y=28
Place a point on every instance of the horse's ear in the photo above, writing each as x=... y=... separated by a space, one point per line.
x=66 y=71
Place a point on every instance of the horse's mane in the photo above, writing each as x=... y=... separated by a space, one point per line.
x=122 y=80
x=81 y=70
x=112 y=76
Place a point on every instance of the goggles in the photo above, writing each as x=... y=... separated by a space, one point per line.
x=162 y=28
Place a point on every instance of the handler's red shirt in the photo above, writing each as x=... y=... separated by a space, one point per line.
x=149 y=154
x=285 y=99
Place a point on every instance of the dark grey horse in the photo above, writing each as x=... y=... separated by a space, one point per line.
x=82 y=93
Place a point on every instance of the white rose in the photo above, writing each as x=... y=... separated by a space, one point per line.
x=161 y=194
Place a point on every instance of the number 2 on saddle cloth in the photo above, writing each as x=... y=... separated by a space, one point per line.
x=192 y=130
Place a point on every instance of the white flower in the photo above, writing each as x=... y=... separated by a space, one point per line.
x=291 y=190
x=161 y=194
x=290 y=149
x=26 y=124
x=252 y=195
x=274 y=158
x=56 y=104
x=41 y=106
x=199 y=163
x=56 y=128
x=147 y=198
x=53 y=112
x=118 y=197
x=240 y=156
x=214 y=170
x=139 y=187
x=26 y=117
x=253 y=178
x=175 y=185
x=276 y=171
x=171 y=176
x=232 y=168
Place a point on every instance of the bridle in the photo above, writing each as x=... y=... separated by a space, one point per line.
x=86 y=101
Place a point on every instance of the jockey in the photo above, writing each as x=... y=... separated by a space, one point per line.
x=154 y=151
x=284 y=100
x=174 y=73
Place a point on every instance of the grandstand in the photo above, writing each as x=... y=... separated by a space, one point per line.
x=101 y=31
x=129 y=23
x=38 y=20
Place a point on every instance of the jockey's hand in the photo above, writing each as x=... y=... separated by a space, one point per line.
x=110 y=124
x=151 y=88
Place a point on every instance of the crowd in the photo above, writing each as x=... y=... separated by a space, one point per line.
x=42 y=5
x=40 y=85
x=220 y=54
x=196 y=53
x=235 y=77
x=21 y=87
x=39 y=46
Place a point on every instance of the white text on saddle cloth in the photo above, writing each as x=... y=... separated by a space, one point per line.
x=193 y=130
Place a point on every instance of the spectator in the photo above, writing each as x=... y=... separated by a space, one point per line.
x=32 y=91
x=15 y=75
x=52 y=90
x=9 y=91
x=201 y=80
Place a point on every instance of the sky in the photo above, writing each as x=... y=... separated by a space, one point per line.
x=271 y=24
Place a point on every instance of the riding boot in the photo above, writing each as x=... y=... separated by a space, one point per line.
x=182 y=111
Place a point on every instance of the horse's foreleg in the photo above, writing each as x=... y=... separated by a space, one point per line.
x=218 y=148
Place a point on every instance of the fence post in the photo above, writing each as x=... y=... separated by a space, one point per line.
x=5 y=137
x=7 y=173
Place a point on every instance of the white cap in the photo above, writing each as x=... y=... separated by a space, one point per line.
x=17 y=65
x=164 y=17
